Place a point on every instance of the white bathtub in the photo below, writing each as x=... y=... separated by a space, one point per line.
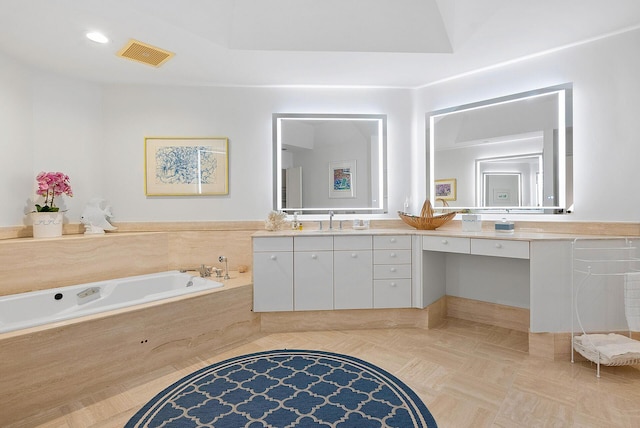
x=36 y=308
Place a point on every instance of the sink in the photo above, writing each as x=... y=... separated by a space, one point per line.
x=326 y=231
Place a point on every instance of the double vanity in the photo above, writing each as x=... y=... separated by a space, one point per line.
x=510 y=154
x=527 y=273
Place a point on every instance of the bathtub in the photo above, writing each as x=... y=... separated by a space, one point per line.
x=37 y=308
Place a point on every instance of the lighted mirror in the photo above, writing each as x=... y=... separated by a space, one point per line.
x=329 y=162
x=512 y=153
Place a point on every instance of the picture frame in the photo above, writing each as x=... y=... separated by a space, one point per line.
x=342 y=179
x=186 y=166
x=445 y=189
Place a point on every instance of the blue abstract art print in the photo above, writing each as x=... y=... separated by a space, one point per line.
x=342 y=176
x=186 y=166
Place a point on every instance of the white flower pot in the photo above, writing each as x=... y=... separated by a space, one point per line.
x=47 y=224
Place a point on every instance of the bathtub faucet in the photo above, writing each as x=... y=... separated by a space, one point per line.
x=205 y=271
x=223 y=259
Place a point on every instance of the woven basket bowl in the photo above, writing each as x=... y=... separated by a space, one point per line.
x=426 y=220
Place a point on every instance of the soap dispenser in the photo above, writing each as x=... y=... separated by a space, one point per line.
x=296 y=225
x=505 y=226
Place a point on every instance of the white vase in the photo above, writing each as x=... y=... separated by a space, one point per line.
x=47 y=224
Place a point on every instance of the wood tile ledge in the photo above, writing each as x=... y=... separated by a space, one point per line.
x=524 y=227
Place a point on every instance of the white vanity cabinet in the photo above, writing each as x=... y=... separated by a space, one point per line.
x=353 y=272
x=313 y=273
x=332 y=271
x=391 y=271
x=273 y=274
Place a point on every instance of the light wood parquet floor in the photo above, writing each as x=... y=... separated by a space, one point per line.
x=468 y=375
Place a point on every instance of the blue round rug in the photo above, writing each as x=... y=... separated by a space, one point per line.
x=286 y=388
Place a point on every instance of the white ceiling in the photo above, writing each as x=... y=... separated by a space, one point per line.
x=373 y=43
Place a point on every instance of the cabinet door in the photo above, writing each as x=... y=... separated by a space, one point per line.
x=272 y=281
x=353 y=279
x=313 y=278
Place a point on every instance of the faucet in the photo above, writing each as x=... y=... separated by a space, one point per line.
x=222 y=259
x=205 y=271
x=331 y=220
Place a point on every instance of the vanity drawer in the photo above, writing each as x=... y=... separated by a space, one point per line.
x=395 y=293
x=313 y=243
x=352 y=242
x=391 y=271
x=500 y=248
x=391 y=242
x=446 y=244
x=387 y=257
x=273 y=244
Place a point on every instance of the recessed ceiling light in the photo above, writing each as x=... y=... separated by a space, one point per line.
x=97 y=37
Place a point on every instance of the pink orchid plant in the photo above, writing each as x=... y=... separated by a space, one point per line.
x=50 y=185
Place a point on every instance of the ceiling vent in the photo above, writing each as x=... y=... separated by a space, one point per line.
x=144 y=53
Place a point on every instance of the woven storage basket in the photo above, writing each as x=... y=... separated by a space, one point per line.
x=426 y=220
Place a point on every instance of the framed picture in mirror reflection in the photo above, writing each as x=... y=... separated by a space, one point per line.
x=342 y=179
x=446 y=189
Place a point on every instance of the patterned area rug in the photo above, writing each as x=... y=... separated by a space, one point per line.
x=286 y=388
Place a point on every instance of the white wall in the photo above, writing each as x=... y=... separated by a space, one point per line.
x=96 y=134
x=606 y=136
x=16 y=144
x=244 y=115
x=47 y=123
x=67 y=136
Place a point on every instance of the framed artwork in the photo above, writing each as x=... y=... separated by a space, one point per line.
x=186 y=166
x=342 y=179
x=446 y=189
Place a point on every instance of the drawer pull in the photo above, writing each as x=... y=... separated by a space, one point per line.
x=354 y=255
x=392 y=254
x=498 y=245
x=392 y=240
x=393 y=284
x=273 y=257
x=313 y=256
x=393 y=269
x=445 y=242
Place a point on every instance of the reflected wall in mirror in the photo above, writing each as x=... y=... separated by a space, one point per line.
x=329 y=162
x=511 y=153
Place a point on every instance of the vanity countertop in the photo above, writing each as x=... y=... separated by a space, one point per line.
x=484 y=234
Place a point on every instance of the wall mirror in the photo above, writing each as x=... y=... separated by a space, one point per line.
x=329 y=162
x=513 y=153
